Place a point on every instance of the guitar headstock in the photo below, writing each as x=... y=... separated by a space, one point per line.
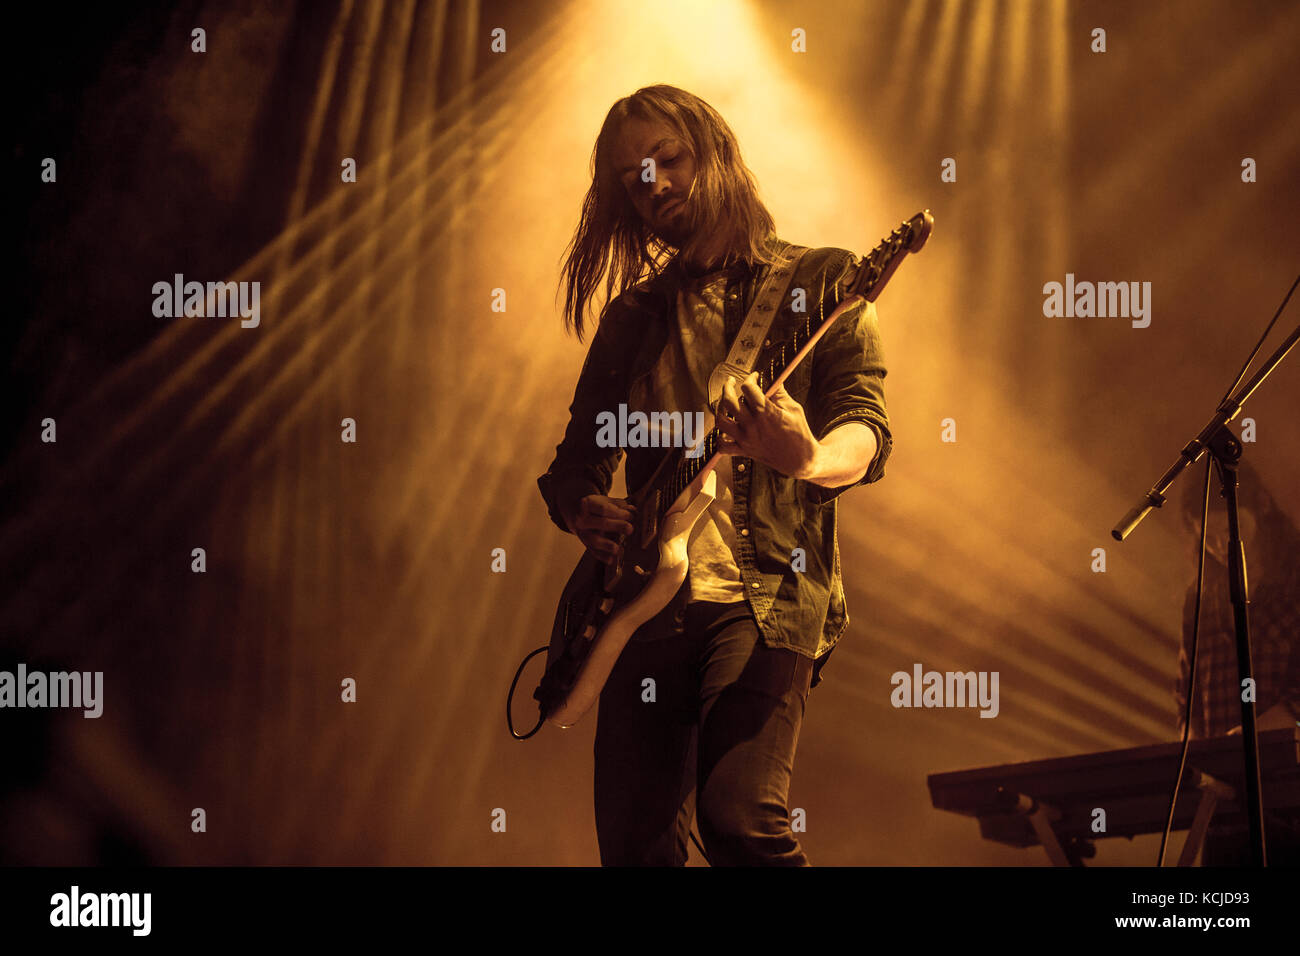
x=877 y=266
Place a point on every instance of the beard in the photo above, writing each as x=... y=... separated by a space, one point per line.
x=679 y=229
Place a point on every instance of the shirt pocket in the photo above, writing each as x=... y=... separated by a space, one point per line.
x=801 y=377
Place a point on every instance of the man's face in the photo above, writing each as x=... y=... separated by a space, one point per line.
x=661 y=202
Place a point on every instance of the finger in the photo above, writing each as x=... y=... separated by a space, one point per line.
x=731 y=438
x=617 y=525
x=730 y=429
x=729 y=404
x=783 y=398
x=604 y=548
x=745 y=415
x=754 y=399
x=606 y=508
x=614 y=525
x=595 y=546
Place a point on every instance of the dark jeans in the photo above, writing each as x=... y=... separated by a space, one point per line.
x=718 y=741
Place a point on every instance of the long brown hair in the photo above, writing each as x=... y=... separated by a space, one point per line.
x=613 y=242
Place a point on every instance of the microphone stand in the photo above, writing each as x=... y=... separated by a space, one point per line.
x=1225 y=450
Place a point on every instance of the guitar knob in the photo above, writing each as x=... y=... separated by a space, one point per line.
x=606 y=604
x=640 y=570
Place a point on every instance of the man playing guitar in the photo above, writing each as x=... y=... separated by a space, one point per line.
x=701 y=713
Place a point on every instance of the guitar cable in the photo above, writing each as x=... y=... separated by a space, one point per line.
x=510 y=696
x=1200 y=581
x=1191 y=669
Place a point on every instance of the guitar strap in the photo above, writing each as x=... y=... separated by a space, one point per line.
x=744 y=350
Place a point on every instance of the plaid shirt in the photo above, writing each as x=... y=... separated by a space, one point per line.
x=1274 y=649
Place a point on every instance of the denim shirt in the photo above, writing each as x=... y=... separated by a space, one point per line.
x=841 y=381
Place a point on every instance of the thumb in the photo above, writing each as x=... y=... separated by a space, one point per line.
x=782 y=397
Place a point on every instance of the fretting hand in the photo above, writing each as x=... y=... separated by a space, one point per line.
x=772 y=430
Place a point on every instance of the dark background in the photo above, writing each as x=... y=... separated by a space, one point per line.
x=371 y=560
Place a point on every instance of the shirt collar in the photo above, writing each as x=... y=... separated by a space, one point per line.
x=739 y=269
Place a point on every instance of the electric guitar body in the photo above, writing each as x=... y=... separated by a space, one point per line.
x=602 y=605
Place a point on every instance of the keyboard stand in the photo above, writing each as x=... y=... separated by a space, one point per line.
x=1212 y=791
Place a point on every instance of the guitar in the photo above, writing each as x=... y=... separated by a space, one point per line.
x=602 y=604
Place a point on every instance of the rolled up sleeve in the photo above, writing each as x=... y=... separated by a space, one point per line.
x=848 y=385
